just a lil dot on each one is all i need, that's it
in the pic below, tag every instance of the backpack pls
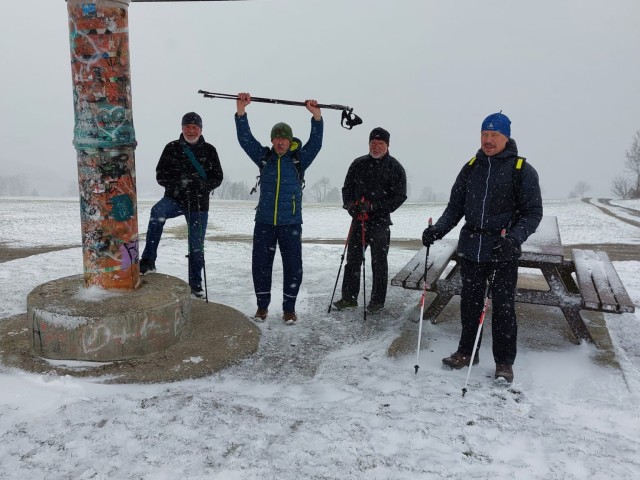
(296, 144)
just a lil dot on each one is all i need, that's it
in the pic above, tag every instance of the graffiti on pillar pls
(99, 40)
(104, 138)
(109, 217)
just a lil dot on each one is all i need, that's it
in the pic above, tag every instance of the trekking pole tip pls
(416, 367)
(464, 390)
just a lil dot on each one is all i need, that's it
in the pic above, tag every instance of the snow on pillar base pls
(71, 322)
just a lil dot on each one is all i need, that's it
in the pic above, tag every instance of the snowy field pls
(321, 400)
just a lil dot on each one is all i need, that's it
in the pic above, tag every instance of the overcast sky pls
(566, 72)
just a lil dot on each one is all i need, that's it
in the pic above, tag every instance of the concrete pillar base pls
(70, 322)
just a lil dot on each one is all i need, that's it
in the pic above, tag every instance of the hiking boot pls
(458, 360)
(198, 292)
(504, 370)
(147, 266)
(261, 315)
(343, 304)
(374, 307)
(290, 318)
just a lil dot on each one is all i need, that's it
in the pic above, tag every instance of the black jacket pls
(382, 181)
(181, 180)
(484, 195)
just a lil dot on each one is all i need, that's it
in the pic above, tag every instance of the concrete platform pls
(72, 322)
(216, 337)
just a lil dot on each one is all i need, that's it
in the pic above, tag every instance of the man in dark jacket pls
(189, 170)
(375, 186)
(279, 212)
(497, 190)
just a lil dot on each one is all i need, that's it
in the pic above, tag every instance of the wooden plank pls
(600, 285)
(544, 245)
(583, 267)
(624, 302)
(412, 275)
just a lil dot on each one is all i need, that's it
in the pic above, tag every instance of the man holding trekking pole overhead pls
(496, 190)
(278, 218)
(375, 186)
(189, 170)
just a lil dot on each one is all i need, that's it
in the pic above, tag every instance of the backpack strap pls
(294, 159)
(518, 165)
(194, 161)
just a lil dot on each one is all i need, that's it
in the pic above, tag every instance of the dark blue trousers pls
(503, 319)
(197, 222)
(265, 239)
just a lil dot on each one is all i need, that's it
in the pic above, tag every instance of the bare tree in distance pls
(320, 189)
(580, 189)
(622, 188)
(632, 165)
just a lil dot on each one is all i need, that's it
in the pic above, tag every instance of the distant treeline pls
(15, 186)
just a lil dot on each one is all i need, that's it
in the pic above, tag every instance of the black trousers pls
(378, 237)
(503, 319)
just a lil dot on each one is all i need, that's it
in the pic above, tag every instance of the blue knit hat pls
(498, 122)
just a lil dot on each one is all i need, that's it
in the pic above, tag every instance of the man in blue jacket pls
(278, 219)
(495, 191)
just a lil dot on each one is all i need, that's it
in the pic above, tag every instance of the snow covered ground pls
(321, 400)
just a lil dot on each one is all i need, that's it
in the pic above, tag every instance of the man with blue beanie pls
(496, 190)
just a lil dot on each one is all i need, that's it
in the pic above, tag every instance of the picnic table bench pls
(587, 281)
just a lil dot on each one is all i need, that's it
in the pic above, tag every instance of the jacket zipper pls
(293, 199)
(484, 204)
(275, 207)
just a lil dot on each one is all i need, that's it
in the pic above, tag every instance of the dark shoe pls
(290, 318)
(261, 315)
(374, 307)
(504, 370)
(458, 360)
(198, 292)
(343, 304)
(147, 266)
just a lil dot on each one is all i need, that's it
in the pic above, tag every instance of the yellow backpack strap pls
(519, 162)
(471, 161)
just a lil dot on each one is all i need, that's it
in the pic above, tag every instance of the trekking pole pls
(348, 121)
(424, 293)
(363, 217)
(487, 291)
(204, 263)
(346, 243)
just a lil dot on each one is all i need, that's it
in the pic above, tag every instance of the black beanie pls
(380, 133)
(192, 118)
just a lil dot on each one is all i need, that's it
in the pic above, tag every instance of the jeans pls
(197, 223)
(265, 239)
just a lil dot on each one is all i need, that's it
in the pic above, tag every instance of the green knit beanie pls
(281, 130)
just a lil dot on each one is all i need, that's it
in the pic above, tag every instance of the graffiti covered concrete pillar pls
(104, 139)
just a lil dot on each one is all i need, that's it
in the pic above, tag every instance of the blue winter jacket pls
(485, 196)
(280, 200)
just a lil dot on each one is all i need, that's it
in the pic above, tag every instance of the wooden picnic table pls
(586, 281)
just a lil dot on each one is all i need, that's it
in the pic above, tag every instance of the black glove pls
(506, 248)
(430, 235)
(359, 207)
